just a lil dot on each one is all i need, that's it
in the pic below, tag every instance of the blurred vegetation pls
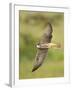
(31, 29)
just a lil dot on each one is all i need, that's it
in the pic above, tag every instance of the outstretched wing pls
(42, 52)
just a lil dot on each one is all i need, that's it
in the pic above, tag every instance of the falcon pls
(43, 46)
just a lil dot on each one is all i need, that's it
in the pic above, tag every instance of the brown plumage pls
(42, 52)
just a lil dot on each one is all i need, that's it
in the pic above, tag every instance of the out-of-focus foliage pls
(30, 31)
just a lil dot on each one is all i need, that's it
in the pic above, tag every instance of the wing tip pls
(34, 69)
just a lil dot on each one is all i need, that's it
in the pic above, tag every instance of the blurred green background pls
(30, 31)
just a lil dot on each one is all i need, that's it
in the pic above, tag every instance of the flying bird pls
(43, 45)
